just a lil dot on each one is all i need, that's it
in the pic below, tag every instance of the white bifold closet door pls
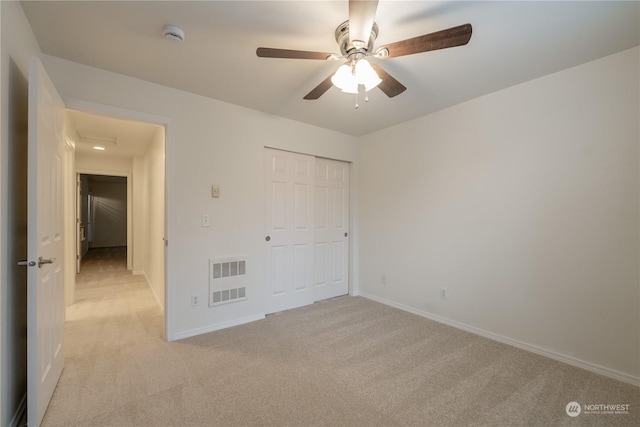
(307, 241)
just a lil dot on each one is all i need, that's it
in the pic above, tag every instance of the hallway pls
(107, 293)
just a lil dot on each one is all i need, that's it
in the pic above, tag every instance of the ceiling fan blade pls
(456, 36)
(390, 86)
(267, 52)
(319, 90)
(361, 16)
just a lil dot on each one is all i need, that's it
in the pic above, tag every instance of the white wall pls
(109, 213)
(139, 215)
(104, 165)
(154, 219)
(524, 205)
(18, 44)
(209, 142)
(71, 139)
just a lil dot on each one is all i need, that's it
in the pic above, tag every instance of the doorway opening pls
(119, 215)
(102, 216)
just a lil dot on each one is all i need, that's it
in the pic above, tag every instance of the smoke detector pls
(173, 33)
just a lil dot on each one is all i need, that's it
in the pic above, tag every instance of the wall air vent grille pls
(227, 277)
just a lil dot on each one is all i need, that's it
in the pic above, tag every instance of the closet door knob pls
(267, 238)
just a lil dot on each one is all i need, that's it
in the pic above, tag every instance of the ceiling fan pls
(356, 38)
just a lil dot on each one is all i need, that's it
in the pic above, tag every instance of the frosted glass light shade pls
(347, 78)
(366, 75)
(344, 79)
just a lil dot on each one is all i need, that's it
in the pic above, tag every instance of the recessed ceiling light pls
(99, 141)
(98, 148)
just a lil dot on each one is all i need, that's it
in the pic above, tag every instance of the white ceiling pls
(512, 42)
(119, 138)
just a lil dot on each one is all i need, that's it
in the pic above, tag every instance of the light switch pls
(206, 220)
(215, 191)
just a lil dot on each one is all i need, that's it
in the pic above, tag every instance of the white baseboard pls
(21, 408)
(159, 302)
(218, 326)
(592, 367)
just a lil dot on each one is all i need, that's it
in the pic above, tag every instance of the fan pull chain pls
(357, 105)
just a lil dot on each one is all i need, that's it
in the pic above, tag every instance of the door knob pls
(346, 234)
(41, 261)
(27, 263)
(267, 238)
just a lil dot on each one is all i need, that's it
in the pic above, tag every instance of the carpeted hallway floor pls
(341, 362)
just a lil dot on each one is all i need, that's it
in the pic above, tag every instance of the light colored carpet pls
(342, 362)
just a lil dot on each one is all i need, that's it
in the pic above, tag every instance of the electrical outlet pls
(383, 279)
(195, 301)
(444, 293)
(206, 220)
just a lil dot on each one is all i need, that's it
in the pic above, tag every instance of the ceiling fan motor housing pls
(347, 49)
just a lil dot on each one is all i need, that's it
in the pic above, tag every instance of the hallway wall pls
(84, 212)
(155, 217)
(149, 216)
(70, 238)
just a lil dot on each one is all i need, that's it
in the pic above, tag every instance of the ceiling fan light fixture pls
(348, 77)
(366, 75)
(351, 89)
(344, 79)
(356, 39)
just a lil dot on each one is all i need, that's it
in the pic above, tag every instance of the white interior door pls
(290, 229)
(331, 270)
(45, 231)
